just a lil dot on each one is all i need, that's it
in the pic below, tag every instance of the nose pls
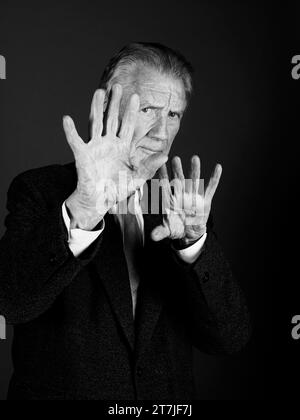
(160, 130)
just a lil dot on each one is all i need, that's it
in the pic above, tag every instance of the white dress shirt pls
(79, 240)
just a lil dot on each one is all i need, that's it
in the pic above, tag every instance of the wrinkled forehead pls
(157, 89)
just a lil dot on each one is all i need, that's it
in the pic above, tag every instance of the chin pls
(140, 155)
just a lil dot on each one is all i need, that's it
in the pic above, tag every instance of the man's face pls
(162, 104)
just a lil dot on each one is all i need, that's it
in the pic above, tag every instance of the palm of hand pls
(106, 174)
(187, 209)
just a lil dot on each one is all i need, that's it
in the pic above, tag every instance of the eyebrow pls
(147, 104)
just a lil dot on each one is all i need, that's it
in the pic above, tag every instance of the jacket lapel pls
(111, 266)
(149, 304)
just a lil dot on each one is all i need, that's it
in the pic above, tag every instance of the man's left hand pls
(186, 208)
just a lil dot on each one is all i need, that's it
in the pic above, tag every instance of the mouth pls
(150, 145)
(153, 149)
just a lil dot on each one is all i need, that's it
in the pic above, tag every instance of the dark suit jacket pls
(74, 332)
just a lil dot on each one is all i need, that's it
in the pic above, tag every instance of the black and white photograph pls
(140, 202)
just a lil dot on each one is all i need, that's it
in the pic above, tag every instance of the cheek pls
(142, 127)
(173, 131)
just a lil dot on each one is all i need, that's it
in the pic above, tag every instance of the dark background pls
(288, 165)
(55, 54)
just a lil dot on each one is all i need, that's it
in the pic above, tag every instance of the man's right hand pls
(106, 159)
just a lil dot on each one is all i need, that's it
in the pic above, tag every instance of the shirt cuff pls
(193, 252)
(79, 240)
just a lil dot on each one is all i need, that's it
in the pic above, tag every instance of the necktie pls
(133, 244)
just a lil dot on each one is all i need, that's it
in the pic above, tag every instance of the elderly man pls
(106, 303)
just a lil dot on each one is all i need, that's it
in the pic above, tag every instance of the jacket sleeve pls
(217, 316)
(36, 264)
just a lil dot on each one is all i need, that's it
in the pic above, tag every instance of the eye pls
(174, 115)
(146, 110)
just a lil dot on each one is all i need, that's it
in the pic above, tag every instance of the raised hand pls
(187, 207)
(106, 160)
